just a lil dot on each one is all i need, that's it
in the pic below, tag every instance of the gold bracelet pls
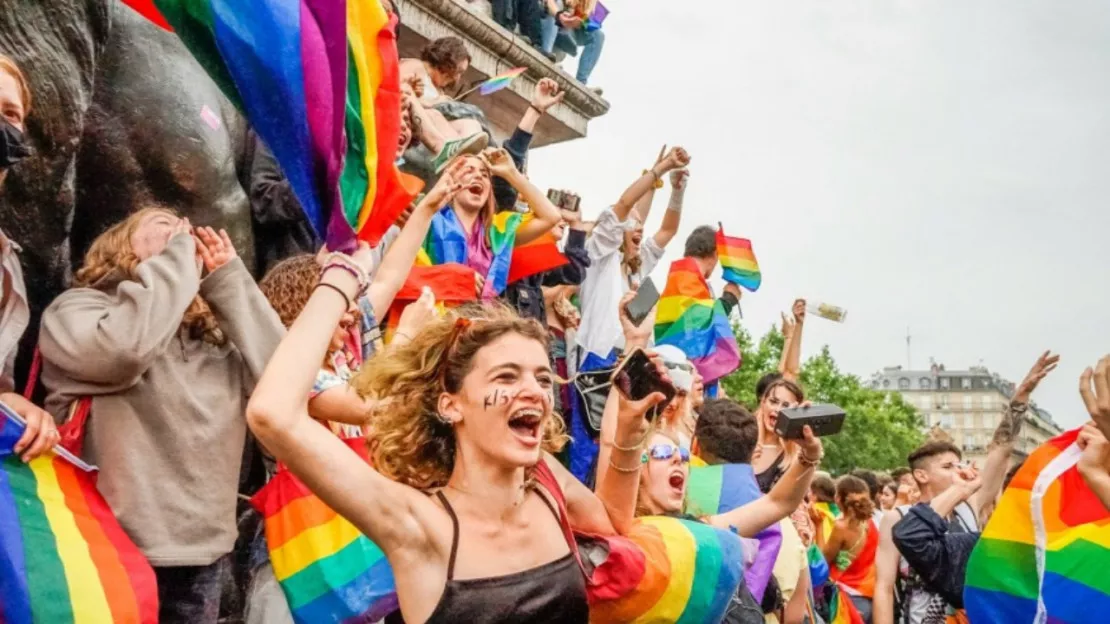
(624, 470)
(812, 463)
(639, 446)
(658, 180)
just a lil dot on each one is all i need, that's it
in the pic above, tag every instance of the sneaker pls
(473, 144)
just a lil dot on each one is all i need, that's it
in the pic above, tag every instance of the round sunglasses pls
(664, 452)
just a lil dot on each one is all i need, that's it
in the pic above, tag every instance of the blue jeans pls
(591, 43)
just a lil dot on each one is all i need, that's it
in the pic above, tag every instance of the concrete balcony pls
(494, 50)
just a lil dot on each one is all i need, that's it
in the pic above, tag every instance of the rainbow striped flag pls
(329, 571)
(538, 256)
(738, 261)
(452, 284)
(678, 570)
(63, 556)
(446, 242)
(841, 609)
(319, 81)
(1048, 520)
(500, 81)
(712, 490)
(690, 319)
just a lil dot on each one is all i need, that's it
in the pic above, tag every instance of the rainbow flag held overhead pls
(1048, 520)
(500, 81)
(738, 261)
(690, 319)
(678, 571)
(446, 242)
(319, 81)
(63, 556)
(712, 490)
(329, 571)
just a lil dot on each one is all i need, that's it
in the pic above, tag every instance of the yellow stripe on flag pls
(364, 21)
(683, 551)
(311, 546)
(86, 594)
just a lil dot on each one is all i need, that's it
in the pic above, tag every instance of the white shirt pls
(605, 283)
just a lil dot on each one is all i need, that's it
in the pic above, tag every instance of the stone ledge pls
(495, 50)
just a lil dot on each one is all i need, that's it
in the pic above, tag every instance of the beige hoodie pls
(167, 424)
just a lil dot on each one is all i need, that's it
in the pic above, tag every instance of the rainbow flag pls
(1048, 520)
(690, 319)
(329, 571)
(319, 81)
(738, 261)
(538, 256)
(63, 556)
(446, 242)
(712, 490)
(451, 283)
(678, 571)
(841, 609)
(500, 81)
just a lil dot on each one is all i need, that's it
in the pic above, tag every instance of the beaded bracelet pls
(624, 470)
(342, 262)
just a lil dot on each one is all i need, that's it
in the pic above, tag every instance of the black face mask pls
(13, 147)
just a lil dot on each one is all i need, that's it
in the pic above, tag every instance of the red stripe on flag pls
(536, 257)
(147, 9)
(114, 580)
(451, 282)
(139, 573)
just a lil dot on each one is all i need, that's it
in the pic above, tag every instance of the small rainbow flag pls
(319, 81)
(329, 571)
(690, 319)
(738, 261)
(446, 242)
(712, 490)
(500, 81)
(1047, 520)
(678, 571)
(63, 556)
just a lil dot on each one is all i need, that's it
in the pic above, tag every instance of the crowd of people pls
(492, 434)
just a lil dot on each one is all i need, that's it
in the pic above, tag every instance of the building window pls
(924, 383)
(945, 421)
(904, 383)
(942, 401)
(965, 383)
(967, 401)
(990, 421)
(944, 383)
(988, 401)
(886, 383)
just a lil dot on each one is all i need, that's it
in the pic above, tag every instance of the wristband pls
(538, 111)
(346, 299)
(658, 180)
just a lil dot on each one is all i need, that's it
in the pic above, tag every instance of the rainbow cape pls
(446, 242)
(319, 81)
(690, 319)
(1048, 520)
(500, 81)
(738, 261)
(712, 490)
(677, 571)
(63, 556)
(329, 571)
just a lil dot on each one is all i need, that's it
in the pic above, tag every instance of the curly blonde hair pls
(412, 445)
(289, 284)
(111, 252)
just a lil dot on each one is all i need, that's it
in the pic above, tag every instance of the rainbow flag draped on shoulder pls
(692, 320)
(63, 556)
(319, 81)
(1048, 520)
(712, 490)
(447, 243)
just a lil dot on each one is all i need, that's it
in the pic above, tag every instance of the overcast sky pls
(940, 166)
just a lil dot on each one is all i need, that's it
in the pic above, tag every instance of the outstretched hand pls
(632, 415)
(548, 94)
(500, 163)
(215, 250)
(1043, 366)
(1094, 389)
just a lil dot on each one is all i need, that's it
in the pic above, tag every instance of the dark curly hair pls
(289, 285)
(445, 54)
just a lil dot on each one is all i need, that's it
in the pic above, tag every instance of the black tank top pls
(553, 593)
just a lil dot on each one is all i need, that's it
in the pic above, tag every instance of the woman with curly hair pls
(167, 332)
(851, 546)
(463, 427)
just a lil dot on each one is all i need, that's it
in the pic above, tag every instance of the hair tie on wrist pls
(337, 289)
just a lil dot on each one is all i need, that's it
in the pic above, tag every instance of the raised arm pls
(546, 215)
(109, 341)
(793, 360)
(646, 183)
(788, 327)
(547, 94)
(886, 571)
(1094, 465)
(673, 217)
(623, 430)
(394, 269)
(392, 515)
(1008, 432)
(783, 499)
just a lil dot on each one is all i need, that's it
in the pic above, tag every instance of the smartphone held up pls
(637, 378)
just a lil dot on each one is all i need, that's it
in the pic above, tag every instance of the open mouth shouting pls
(526, 424)
(677, 481)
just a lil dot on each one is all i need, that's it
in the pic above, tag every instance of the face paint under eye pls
(498, 397)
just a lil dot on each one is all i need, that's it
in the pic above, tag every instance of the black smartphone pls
(637, 377)
(640, 307)
(555, 197)
(825, 419)
(571, 202)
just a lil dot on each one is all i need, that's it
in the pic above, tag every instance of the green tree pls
(880, 429)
